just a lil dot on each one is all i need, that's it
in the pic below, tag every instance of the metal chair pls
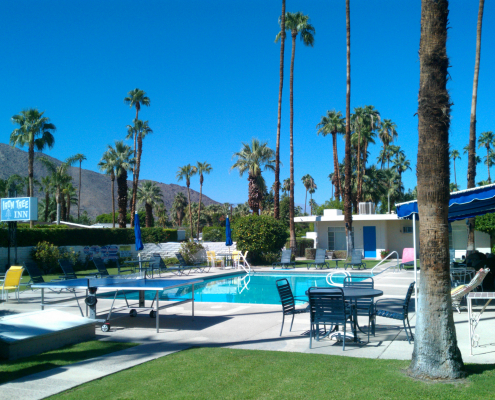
(101, 267)
(400, 315)
(356, 260)
(34, 272)
(364, 306)
(12, 281)
(328, 307)
(288, 302)
(69, 273)
(286, 260)
(461, 291)
(320, 260)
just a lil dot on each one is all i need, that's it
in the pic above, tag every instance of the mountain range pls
(96, 188)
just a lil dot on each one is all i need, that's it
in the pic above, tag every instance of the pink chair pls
(407, 257)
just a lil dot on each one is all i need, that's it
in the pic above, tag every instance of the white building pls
(376, 232)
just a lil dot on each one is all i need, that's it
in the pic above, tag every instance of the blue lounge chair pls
(285, 261)
(356, 260)
(320, 261)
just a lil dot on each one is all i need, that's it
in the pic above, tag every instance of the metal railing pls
(244, 262)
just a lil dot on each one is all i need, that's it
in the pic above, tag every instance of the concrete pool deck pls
(242, 326)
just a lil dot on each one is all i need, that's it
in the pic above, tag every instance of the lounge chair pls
(460, 291)
(12, 281)
(288, 302)
(356, 260)
(69, 273)
(286, 260)
(407, 257)
(402, 315)
(182, 266)
(319, 261)
(328, 307)
(101, 267)
(364, 306)
(34, 272)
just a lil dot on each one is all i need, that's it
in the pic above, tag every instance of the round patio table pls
(351, 293)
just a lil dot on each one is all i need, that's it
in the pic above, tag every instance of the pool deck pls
(241, 326)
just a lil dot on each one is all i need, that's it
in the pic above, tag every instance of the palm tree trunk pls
(30, 190)
(276, 205)
(336, 166)
(347, 184)
(488, 163)
(136, 176)
(122, 197)
(305, 201)
(200, 197)
(112, 178)
(436, 355)
(149, 214)
(47, 203)
(292, 227)
(190, 213)
(79, 196)
(359, 175)
(455, 175)
(68, 206)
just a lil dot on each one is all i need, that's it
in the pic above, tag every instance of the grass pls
(10, 370)
(216, 373)
(369, 264)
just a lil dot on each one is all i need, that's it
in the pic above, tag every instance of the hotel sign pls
(19, 209)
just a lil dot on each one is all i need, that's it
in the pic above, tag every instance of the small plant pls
(46, 255)
(384, 253)
(70, 254)
(189, 249)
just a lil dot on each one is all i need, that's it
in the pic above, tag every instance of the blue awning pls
(463, 204)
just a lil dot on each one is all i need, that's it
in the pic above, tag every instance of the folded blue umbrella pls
(137, 233)
(228, 233)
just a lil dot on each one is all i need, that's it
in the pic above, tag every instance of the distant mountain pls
(96, 188)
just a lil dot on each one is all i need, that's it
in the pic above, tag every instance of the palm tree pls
(486, 140)
(307, 181)
(286, 186)
(333, 123)
(178, 207)
(311, 192)
(435, 355)
(107, 165)
(453, 187)
(254, 159)
(122, 160)
(202, 168)
(388, 132)
(401, 165)
(276, 211)
(59, 178)
(69, 196)
(78, 157)
(136, 98)
(46, 186)
(187, 172)
(151, 195)
(140, 129)
(296, 23)
(454, 154)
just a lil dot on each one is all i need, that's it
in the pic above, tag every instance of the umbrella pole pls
(415, 268)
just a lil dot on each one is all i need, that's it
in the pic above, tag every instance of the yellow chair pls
(12, 281)
(236, 258)
(212, 259)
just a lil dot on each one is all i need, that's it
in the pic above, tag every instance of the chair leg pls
(291, 323)
(405, 329)
(283, 319)
(343, 339)
(310, 334)
(410, 330)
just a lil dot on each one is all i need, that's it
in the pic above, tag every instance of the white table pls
(474, 319)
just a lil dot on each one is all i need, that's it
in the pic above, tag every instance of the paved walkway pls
(243, 326)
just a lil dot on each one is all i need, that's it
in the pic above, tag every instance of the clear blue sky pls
(211, 69)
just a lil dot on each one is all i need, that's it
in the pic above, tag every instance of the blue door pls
(369, 239)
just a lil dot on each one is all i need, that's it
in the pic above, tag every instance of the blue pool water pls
(258, 288)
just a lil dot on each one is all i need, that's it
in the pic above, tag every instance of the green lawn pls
(216, 373)
(10, 370)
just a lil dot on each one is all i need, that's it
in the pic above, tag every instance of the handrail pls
(371, 272)
(244, 282)
(245, 261)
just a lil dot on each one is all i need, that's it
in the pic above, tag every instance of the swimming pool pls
(257, 288)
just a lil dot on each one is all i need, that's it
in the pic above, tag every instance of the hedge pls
(214, 234)
(88, 237)
(301, 245)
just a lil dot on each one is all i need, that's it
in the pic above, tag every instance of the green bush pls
(88, 237)
(310, 254)
(340, 254)
(46, 256)
(214, 234)
(189, 249)
(301, 246)
(259, 235)
(171, 261)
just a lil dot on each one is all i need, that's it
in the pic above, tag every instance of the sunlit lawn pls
(10, 370)
(216, 373)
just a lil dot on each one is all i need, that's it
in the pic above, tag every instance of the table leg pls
(157, 313)
(193, 301)
(470, 304)
(141, 298)
(42, 299)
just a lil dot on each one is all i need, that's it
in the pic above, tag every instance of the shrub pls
(259, 235)
(340, 254)
(171, 261)
(301, 246)
(88, 237)
(70, 254)
(46, 256)
(310, 254)
(189, 249)
(214, 234)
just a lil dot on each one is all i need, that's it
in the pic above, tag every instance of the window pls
(336, 238)
(407, 229)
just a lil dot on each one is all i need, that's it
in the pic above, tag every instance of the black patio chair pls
(356, 260)
(35, 275)
(320, 261)
(182, 266)
(69, 273)
(288, 302)
(101, 267)
(402, 315)
(364, 306)
(286, 260)
(328, 307)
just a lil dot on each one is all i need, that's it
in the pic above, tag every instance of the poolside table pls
(353, 294)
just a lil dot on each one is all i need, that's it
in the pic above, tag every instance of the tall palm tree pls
(347, 173)
(276, 211)
(471, 175)
(140, 129)
(454, 154)
(388, 132)
(286, 186)
(295, 23)
(186, 173)
(78, 158)
(401, 165)
(334, 124)
(46, 186)
(307, 181)
(59, 179)
(69, 197)
(254, 159)
(107, 165)
(202, 168)
(151, 196)
(178, 207)
(435, 355)
(311, 191)
(122, 160)
(487, 140)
